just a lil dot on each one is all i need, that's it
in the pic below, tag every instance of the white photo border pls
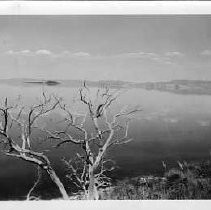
(105, 8)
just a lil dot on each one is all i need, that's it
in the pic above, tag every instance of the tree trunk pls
(92, 193)
(58, 183)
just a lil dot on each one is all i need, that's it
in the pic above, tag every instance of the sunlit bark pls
(24, 150)
(91, 174)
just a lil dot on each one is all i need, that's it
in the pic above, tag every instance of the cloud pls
(81, 54)
(152, 55)
(174, 54)
(166, 58)
(206, 53)
(43, 52)
(9, 52)
(21, 52)
(141, 55)
(25, 51)
(149, 55)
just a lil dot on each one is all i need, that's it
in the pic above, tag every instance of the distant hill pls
(24, 82)
(199, 87)
(45, 82)
(66, 83)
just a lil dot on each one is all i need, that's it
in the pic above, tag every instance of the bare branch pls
(39, 175)
(22, 152)
(64, 136)
(76, 176)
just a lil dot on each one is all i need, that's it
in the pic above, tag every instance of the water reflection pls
(171, 127)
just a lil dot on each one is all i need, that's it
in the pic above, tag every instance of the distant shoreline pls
(47, 82)
(185, 87)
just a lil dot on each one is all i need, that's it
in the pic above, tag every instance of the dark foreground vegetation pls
(187, 181)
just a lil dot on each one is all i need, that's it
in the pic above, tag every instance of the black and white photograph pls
(105, 107)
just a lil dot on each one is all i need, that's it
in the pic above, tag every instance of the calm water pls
(171, 127)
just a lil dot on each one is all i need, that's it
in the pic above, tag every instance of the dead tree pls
(90, 166)
(25, 119)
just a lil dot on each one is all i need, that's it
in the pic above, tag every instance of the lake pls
(171, 127)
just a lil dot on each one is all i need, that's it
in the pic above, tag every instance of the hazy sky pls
(133, 48)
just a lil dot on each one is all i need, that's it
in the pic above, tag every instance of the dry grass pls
(189, 181)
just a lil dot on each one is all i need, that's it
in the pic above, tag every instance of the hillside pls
(198, 87)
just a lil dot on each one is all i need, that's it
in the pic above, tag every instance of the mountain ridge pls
(180, 86)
